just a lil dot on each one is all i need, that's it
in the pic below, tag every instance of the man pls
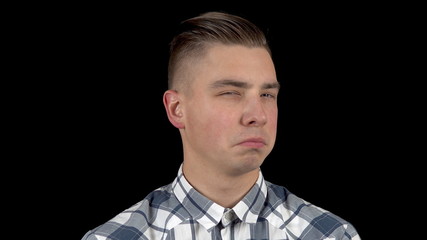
(222, 97)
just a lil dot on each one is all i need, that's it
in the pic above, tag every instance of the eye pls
(229, 93)
(268, 95)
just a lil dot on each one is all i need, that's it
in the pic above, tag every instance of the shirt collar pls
(208, 213)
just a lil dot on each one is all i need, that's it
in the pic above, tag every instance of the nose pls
(254, 113)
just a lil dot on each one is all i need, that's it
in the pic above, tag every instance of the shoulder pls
(301, 217)
(139, 218)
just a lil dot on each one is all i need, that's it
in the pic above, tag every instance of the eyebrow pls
(240, 84)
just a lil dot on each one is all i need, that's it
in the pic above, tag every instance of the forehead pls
(234, 62)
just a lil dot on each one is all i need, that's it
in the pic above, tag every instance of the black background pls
(100, 132)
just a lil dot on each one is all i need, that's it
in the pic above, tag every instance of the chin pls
(250, 164)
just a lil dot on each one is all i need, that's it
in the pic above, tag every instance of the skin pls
(227, 118)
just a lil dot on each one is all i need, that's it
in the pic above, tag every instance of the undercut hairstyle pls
(196, 34)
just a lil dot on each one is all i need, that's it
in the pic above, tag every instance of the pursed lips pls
(253, 142)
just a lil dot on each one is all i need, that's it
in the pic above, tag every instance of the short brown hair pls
(211, 27)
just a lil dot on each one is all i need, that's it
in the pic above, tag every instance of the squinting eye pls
(268, 95)
(229, 93)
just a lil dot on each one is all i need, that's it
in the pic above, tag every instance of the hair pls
(196, 34)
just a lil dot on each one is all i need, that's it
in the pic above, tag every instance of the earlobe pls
(172, 103)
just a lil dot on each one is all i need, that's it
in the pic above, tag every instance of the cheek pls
(219, 124)
(217, 121)
(211, 120)
(272, 120)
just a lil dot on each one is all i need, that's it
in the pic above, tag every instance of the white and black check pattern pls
(178, 211)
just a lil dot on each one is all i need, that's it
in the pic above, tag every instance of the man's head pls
(197, 34)
(223, 93)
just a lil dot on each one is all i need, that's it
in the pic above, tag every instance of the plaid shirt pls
(178, 211)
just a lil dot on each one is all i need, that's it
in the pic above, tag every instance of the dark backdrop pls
(107, 139)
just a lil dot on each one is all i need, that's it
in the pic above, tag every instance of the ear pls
(173, 105)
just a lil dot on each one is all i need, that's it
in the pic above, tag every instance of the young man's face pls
(230, 109)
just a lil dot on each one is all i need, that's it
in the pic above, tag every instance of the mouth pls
(253, 143)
